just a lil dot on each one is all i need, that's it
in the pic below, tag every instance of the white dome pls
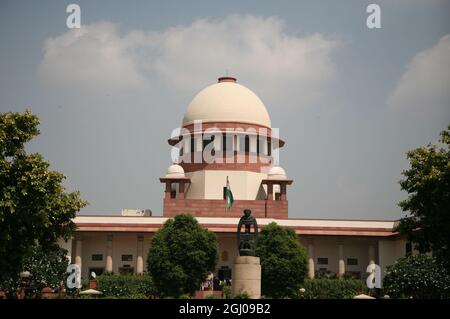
(175, 171)
(276, 172)
(227, 101)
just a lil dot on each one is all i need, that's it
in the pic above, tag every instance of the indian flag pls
(229, 195)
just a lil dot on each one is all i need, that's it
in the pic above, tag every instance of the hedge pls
(126, 286)
(326, 288)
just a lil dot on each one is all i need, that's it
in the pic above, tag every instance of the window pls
(224, 273)
(97, 257)
(192, 144)
(322, 261)
(207, 141)
(247, 144)
(224, 142)
(127, 257)
(352, 261)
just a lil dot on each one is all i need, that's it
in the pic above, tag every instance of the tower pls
(226, 134)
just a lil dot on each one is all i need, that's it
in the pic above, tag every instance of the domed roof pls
(276, 172)
(227, 101)
(175, 171)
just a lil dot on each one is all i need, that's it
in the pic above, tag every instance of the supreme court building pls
(233, 122)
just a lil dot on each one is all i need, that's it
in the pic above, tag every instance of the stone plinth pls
(246, 276)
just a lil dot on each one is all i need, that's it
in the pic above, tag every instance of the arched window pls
(247, 144)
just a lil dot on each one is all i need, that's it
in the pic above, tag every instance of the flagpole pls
(226, 195)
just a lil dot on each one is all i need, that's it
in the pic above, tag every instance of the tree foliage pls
(35, 209)
(417, 276)
(428, 185)
(283, 261)
(181, 255)
(47, 267)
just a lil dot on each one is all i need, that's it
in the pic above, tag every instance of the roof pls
(228, 225)
(227, 102)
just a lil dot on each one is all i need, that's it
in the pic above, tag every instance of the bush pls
(283, 262)
(418, 276)
(242, 295)
(126, 286)
(325, 288)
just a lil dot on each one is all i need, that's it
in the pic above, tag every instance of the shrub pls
(283, 261)
(242, 295)
(326, 288)
(418, 276)
(126, 286)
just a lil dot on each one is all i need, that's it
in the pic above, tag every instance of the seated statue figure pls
(247, 241)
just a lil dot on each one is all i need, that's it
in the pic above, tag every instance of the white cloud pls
(257, 50)
(92, 57)
(425, 86)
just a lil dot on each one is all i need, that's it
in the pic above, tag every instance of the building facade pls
(226, 138)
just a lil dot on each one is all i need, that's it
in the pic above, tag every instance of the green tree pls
(35, 209)
(428, 185)
(181, 255)
(283, 262)
(417, 276)
(47, 267)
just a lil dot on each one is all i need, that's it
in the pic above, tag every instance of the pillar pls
(79, 252)
(341, 262)
(311, 270)
(168, 190)
(371, 254)
(283, 191)
(140, 255)
(247, 276)
(181, 190)
(269, 191)
(109, 254)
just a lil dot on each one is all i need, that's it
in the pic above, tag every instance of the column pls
(140, 255)
(181, 190)
(269, 191)
(79, 252)
(109, 254)
(371, 254)
(283, 191)
(341, 270)
(311, 270)
(264, 146)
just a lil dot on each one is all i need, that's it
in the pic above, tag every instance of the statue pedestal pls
(246, 276)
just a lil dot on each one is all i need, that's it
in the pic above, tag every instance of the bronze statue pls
(247, 241)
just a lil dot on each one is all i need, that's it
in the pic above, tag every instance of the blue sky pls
(349, 101)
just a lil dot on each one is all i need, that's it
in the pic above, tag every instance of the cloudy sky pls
(348, 100)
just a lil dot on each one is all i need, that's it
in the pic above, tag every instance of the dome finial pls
(226, 79)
